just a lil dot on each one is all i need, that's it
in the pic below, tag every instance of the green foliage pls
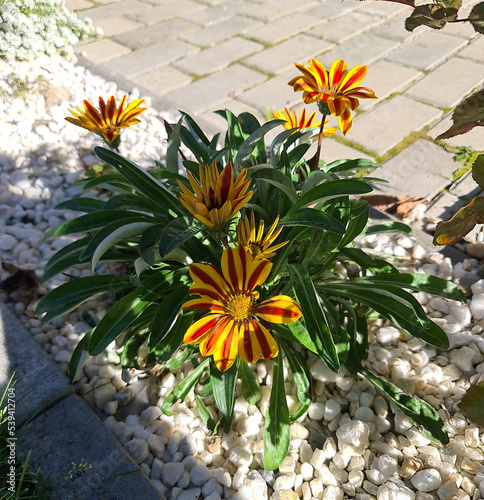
(145, 226)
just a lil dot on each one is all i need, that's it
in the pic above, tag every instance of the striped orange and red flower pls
(109, 119)
(292, 121)
(218, 197)
(233, 325)
(339, 89)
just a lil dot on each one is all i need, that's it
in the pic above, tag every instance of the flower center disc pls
(240, 307)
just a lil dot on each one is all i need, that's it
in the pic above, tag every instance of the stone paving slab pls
(70, 433)
(421, 170)
(158, 54)
(122, 7)
(432, 48)
(118, 25)
(162, 80)
(395, 30)
(387, 78)
(445, 86)
(474, 51)
(165, 12)
(39, 384)
(104, 50)
(219, 13)
(283, 28)
(473, 139)
(276, 60)
(218, 57)
(146, 36)
(465, 187)
(385, 126)
(213, 90)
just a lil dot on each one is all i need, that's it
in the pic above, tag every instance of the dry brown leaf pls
(393, 204)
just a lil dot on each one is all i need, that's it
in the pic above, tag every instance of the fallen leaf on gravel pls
(25, 281)
(400, 205)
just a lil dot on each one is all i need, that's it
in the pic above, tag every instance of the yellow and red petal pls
(201, 328)
(279, 309)
(353, 78)
(224, 357)
(337, 73)
(215, 339)
(206, 302)
(209, 277)
(258, 271)
(255, 342)
(345, 121)
(319, 73)
(235, 263)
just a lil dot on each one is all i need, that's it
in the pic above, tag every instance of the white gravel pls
(350, 444)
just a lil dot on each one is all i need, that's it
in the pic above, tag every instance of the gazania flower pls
(233, 324)
(254, 241)
(338, 89)
(217, 198)
(109, 119)
(292, 121)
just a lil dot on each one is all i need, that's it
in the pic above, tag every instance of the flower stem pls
(315, 159)
(223, 239)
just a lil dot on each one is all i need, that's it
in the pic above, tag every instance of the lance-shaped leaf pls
(223, 387)
(167, 314)
(86, 205)
(339, 166)
(388, 226)
(313, 314)
(142, 181)
(277, 431)
(476, 17)
(252, 141)
(330, 190)
(184, 387)
(78, 358)
(250, 387)
(176, 233)
(472, 404)
(300, 373)
(70, 295)
(275, 177)
(419, 412)
(310, 217)
(467, 115)
(462, 223)
(165, 350)
(359, 214)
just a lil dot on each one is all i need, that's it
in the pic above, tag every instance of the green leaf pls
(478, 170)
(250, 387)
(132, 347)
(148, 244)
(204, 414)
(313, 179)
(78, 358)
(296, 332)
(179, 359)
(275, 177)
(346, 165)
(122, 314)
(310, 217)
(87, 205)
(69, 295)
(165, 350)
(252, 141)
(135, 202)
(176, 233)
(314, 315)
(389, 226)
(173, 146)
(184, 387)
(359, 213)
(120, 234)
(419, 412)
(462, 223)
(64, 259)
(472, 404)
(432, 15)
(476, 17)
(395, 304)
(300, 373)
(142, 181)
(467, 115)
(108, 181)
(277, 431)
(90, 222)
(277, 144)
(223, 386)
(167, 314)
(330, 190)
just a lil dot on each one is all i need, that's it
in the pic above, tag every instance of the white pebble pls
(426, 480)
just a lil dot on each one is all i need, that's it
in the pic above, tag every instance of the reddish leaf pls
(461, 224)
(411, 3)
(432, 15)
(478, 170)
(472, 404)
(467, 115)
(476, 17)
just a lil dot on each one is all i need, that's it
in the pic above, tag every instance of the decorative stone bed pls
(350, 444)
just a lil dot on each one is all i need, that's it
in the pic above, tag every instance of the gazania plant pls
(240, 254)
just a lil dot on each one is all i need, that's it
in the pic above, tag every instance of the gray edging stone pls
(39, 384)
(70, 433)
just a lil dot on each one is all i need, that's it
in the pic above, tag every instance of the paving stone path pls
(202, 55)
